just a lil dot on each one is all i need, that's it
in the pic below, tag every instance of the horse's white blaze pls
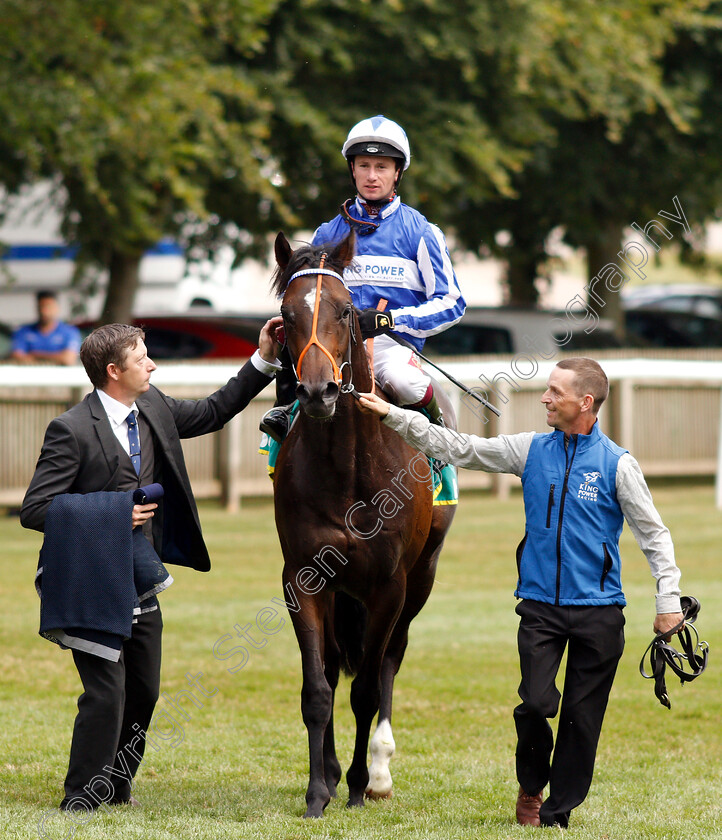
(382, 748)
(310, 299)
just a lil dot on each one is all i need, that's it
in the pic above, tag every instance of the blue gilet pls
(570, 551)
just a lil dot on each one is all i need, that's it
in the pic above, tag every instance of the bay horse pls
(356, 522)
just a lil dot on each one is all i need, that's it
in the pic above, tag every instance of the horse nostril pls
(330, 392)
(317, 395)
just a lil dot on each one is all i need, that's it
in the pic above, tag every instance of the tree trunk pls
(521, 273)
(605, 283)
(123, 281)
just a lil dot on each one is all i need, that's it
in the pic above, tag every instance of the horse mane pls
(307, 256)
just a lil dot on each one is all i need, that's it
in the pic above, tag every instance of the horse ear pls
(344, 252)
(283, 250)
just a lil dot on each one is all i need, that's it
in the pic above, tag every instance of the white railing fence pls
(665, 411)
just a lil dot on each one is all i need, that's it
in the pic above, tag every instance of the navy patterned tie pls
(134, 441)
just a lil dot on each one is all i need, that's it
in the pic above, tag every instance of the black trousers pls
(114, 711)
(595, 640)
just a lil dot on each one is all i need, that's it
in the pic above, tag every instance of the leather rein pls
(348, 387)
(662, 654)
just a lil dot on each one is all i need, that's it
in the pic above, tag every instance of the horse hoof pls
(314, 810)
(355, 802)
(371, 794)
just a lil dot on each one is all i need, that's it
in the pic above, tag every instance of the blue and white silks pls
(406, 262)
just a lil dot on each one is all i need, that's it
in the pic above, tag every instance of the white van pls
(33, 257)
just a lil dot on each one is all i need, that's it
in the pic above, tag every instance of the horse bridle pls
(313, 340)
(661, 653)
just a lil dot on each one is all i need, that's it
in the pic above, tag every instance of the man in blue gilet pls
(579, 487)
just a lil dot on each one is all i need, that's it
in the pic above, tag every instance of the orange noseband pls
(313, 340)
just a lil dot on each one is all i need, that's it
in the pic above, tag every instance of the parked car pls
(508, 330)
(694, 299)
(197, 335)
(482, 330)
(512, 330)
(664, 328)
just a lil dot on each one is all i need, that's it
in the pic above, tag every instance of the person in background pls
(47, 340)
(579, 488)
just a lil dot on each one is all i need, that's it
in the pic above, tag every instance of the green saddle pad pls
(446, 487)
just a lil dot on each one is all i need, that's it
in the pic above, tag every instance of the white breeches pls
(397, 369)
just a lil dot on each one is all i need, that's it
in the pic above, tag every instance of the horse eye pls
(346, 313)
(287, 315)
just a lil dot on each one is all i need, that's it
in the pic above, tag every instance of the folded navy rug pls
(95, 572)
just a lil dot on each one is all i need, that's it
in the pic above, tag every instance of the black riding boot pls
(276, 422)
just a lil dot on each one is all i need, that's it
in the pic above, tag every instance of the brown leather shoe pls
(527, 808)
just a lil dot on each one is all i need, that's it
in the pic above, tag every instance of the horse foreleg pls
(316, 706)
(382, 747)
(366, 687)
(332, 768)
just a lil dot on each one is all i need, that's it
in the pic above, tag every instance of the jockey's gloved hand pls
(374, 322)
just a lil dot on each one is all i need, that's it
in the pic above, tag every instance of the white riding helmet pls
(378, 136)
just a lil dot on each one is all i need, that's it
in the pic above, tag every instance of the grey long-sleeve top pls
(508, 454)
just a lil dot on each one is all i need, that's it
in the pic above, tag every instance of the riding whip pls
(456, 382)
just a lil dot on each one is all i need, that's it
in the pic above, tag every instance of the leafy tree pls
(134, 111)
(655, 159)
(224, 120)
(597, 176)
(487, 91)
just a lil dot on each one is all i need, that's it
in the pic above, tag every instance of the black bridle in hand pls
(661, 653)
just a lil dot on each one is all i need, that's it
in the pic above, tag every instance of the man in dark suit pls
(97, 446)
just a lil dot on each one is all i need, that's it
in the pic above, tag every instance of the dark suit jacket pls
(80, 455)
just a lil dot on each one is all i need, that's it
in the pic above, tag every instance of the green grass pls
(241, 769)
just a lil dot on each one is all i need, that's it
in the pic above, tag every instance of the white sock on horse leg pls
(382, 748)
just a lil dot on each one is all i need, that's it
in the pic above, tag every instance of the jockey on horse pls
(401, 258)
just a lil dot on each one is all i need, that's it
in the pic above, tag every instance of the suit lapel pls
(166, 435)
(148, 410)
(104, 434)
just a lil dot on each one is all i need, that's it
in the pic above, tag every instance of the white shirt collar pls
(116, 411)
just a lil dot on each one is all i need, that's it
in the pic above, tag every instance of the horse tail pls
(349, 628)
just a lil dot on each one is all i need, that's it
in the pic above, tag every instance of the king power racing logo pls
(588, 489)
